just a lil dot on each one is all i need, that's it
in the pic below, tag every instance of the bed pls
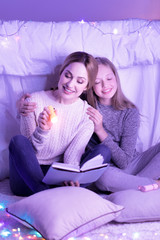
(30, 52)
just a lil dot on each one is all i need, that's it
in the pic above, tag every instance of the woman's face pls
(105, 84)
(73, 81)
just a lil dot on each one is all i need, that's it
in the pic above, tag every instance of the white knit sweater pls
(68, 137)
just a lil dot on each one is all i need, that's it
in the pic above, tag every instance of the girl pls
(42, 141)
(116, 122)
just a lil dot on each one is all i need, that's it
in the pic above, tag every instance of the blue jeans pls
(26, 173)
(97, 149)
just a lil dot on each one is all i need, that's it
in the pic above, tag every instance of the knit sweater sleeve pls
(123, 151)
(78, 144)
(29, 127)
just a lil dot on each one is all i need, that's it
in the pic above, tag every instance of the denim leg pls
(99, 149)
(25, 172)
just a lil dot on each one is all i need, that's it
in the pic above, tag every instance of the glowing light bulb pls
(17, 38)
(82, 21)
(2, 206)
(115, 31)
(1, 224)
(53, 114)
(5, 43)
(5, 233)
(135, 235)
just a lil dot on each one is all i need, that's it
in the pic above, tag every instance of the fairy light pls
(82, 21)
(115, 31)
(2, 206)
(17, 38)
(4, 42)
(106, 237)
(136, 235)
(5, 233)
(1, 224)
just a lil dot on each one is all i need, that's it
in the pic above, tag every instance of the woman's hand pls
(44, 119)
(71, 183)
(97, 119)
(24, 107)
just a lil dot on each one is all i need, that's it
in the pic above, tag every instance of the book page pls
(93, 163)
(65, 167)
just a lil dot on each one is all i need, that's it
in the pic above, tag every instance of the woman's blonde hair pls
(118, 101)
(89, 62)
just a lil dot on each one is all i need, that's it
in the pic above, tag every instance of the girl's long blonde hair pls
(118, 101)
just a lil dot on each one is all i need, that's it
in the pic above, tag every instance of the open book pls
(88, 173)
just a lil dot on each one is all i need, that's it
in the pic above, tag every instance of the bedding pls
(30, 54)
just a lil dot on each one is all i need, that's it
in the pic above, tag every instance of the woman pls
(116, 123)
(64, 140)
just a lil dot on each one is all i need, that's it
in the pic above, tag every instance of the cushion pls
(138, 206)
(64, 212)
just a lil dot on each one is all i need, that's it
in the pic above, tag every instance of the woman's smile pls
(68, 90)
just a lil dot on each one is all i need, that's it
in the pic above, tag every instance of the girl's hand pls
(71, 183)
(24, 107)
(44, 119)
(97, 119)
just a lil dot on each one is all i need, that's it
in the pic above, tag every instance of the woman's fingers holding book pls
(71, 183)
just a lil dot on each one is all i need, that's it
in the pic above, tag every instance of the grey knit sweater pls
(122, 128)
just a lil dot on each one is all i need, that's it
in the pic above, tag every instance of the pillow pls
(64, 212)
(138, 206)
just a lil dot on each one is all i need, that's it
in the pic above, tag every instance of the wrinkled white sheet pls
(29, 52)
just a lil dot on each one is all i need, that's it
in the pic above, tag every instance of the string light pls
(5, 38)
(2, 206)
(115, 30)
(14, 33)
(82, 21)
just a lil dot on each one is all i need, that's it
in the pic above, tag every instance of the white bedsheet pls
(29, 52)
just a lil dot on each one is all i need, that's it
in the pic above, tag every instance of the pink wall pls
(75, 10)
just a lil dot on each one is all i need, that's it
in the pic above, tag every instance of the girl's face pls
(73, 81)
(105, 84)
